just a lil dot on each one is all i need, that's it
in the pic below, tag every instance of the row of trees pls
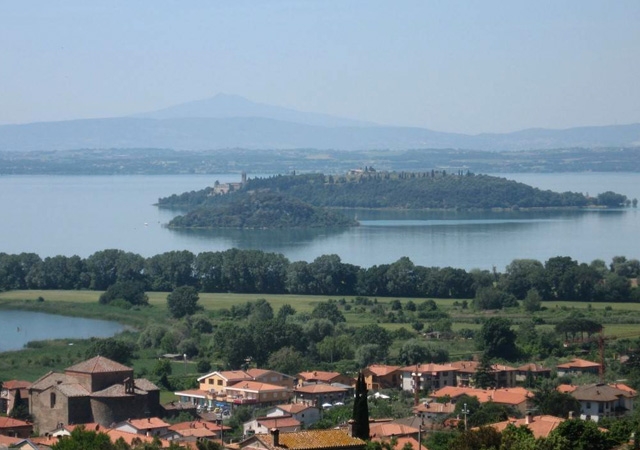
(253, 271)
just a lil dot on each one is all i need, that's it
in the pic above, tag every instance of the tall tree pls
(361, 410)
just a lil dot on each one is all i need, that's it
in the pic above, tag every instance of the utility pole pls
(465, 412)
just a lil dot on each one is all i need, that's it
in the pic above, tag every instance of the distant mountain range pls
(229, 121)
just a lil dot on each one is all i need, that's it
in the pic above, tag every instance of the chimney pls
(276, 437)
(570, 415)
(350, 425)
(528, 418)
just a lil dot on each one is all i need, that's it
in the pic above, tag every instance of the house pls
(262, 425)
(603, 400)
(578, 366)
(218, 381)
(307, 415)
(303, 440)
(320, 394)
(433, 410)
(505, 376)
(272, 377)
(97, 390)
(432, 376)
(540, 426)
(152, 426)
(254, 392)
(318, 376)
(532, 370)
(378, 376)
(15, 428)
(199, 429)
(518, 398)
(9, 392)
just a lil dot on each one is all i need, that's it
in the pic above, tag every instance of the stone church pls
(97, 390)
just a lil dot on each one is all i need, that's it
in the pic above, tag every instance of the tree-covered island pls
(286, 201)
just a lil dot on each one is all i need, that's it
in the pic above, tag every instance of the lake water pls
(81, 214)
(19, 327)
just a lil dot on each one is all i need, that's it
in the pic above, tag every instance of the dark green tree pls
(361, 410)
(183, 301)
(484, 377)
(497, 339)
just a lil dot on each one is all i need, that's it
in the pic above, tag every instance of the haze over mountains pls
(229, 121)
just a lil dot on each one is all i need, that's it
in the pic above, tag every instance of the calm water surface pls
(19, 327)
(81, 214)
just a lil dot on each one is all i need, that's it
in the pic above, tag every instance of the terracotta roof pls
(578, 363)
(254, 373)
(234, 375)
(198, 424)
(435, 408)
(509, 396)
(319, 375)
(72, 389)
(255, 386)
(148, 424)
(319, 389)
(427, 368)
(278, 422)
(8, 422)
(98, 364)
(401, 442)
(502, 368)
(91, 426)
(7, 440)
(391, 429)
(47, 441)
(540, 426)
(294, 408)
(51, 378)
(145, 385)
(381, 370)
(624, 387)
(130, 437)
(465, 366)
(566, 388)
(532, 367)
(117, 390)
(197, 432)
(313, 439)
(15, 384)
(600, 393)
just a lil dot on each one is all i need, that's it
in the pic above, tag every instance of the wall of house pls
(110, 410)
(46, 418)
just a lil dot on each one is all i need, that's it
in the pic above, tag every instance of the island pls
(368, 188)
(261, 210)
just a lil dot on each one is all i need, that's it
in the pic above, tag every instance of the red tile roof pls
(381, 370)
(566, 388)
(6, 440)
(435, 408)
(309, 440)
(401, 442)
(510, 396)
(532, 367)
(148, 424)
(198, 424)
(319, 389)
(319, 375)
(294, 408)
(578, 363)
(428, 368)
(278, 422)
(8, 422)
(15, 384)
(540, 426)
(98, 364)
(255, 386)
(391, 429)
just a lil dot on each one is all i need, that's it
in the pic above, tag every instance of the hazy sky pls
(470, 66)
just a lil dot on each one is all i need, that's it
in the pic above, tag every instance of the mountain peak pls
(223, 105)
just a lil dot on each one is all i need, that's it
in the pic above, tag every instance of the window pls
(210, 381)
(219, 382)
(588, 405)
(52, 400)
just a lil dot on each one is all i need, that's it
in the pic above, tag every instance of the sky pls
(456, 66)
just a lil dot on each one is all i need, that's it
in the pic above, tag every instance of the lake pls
(19, 327)
(69, 215)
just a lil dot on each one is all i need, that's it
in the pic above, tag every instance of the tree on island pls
(183, 301)
(361, 410)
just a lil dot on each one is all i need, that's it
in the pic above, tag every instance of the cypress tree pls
(361, 410)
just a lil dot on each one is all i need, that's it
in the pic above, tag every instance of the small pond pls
(19, 327)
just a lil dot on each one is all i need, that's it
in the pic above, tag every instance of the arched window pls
(52, 399)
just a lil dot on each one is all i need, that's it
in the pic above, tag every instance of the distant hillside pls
(404, 190)
(261, 210)
(231, 121)
(264, 133)
(233, 106)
